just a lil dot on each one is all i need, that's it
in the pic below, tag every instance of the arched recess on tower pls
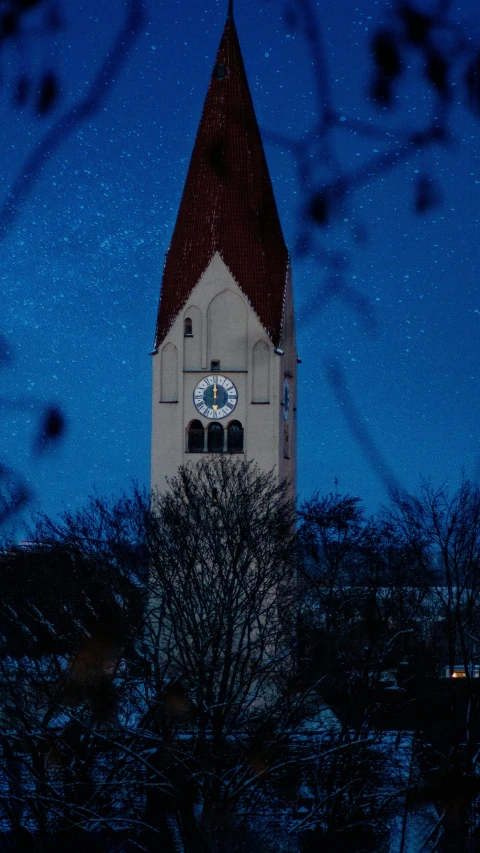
(169, 374)
(192, 339)
(227, 331)
(261, 373)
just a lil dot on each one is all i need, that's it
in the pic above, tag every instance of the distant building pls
(225, 360)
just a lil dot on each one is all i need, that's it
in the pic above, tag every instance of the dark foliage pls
(417, 52)
(25, 21)
(47, 93)
(21, 22)
(62, 586)
(390, 614)
(99, 707)
(158, 692)
(52, 428)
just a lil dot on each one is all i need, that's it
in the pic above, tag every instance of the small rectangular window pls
(214, 365)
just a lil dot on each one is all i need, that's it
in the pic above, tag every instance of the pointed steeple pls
(228, 205)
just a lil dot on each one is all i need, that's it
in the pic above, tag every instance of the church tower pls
(224, 360)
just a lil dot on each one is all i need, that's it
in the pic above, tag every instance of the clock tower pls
(224, 360)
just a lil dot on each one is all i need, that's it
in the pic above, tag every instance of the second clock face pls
(215, 396)
(286, 400)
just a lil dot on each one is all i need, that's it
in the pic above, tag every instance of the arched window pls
(215, 438)
(235, 437)
(192, 338)
(196, 437)
(261, 373)
(227, 342)
(169, 374)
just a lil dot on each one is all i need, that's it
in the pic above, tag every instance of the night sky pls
(81, 264)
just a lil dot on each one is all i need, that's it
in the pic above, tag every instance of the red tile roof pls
(228, 203)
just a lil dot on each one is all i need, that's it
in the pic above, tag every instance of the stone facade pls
(226, 304)
(225, 332)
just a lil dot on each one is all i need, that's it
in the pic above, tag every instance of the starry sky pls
(388, 391)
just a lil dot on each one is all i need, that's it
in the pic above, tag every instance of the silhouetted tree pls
(364, 597)
(72, 609)
(154, 654)
(446, 527)
(222, 549)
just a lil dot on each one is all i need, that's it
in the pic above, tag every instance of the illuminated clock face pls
(215, 396)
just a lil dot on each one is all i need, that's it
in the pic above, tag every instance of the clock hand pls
(215, 406)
